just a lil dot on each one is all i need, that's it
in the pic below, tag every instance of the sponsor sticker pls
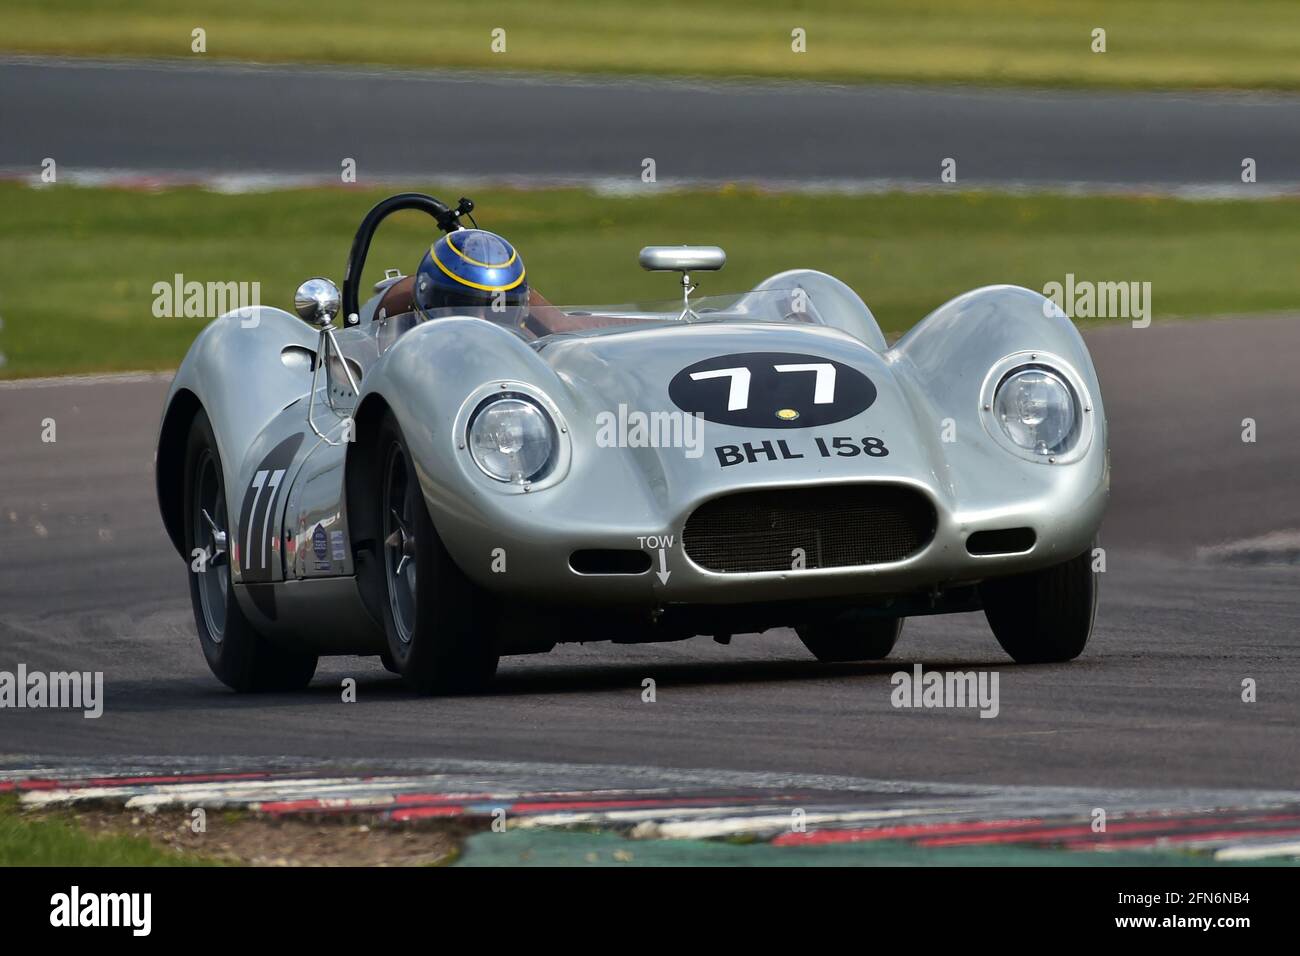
(320, 547)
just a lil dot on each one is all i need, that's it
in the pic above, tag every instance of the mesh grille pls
(837, 527)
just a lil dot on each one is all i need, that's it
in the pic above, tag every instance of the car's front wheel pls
(1046, 616)
(438, 624)
(851, 636)
(237, 654)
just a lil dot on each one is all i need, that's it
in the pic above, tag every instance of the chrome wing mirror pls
(317, 302)
(683, 259)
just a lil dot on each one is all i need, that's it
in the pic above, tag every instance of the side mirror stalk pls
(317, 301)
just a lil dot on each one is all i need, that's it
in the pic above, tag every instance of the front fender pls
(426, 379)
(944, 363)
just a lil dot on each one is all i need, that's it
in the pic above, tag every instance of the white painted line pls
(711, 829)
(1276, 547)
(562, 818)
(144, 796)
(429, 775)
(671, 822)
(49, 798)
(631, 187)
(272, 791)
(1258, 851)
(108, 378)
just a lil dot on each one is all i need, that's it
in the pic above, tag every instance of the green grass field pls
(1149, 43)
(78, 265)
(58, 841)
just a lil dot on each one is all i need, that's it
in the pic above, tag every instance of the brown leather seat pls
(399, 298)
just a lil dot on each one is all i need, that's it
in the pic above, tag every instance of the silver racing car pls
(461, 470)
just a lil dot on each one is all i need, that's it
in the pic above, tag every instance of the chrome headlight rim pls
(541, 424)
(557, 465)
(1084, 414)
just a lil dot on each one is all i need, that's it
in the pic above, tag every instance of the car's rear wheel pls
(239, 656)
(852, 635)
(439, 627)
(390, 665)
(1044, 616)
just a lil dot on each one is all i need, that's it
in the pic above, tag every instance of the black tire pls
(239, 656)
(851, 636)
(390, 665)
(440, 629)
(1044, 617)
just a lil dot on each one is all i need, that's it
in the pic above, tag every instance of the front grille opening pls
(609, 561)
(1002, 541)
(789, 529)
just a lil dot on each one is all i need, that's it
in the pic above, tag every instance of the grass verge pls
(1149, 43)
(57, 840)
(78, 265)
(108, 835)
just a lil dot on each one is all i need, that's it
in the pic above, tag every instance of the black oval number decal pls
(772, 390)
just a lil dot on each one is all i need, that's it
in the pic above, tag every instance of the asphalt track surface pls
(187, 117)
(89, 582)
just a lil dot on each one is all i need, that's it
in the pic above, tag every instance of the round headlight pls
(511, 439)
(1036, 409)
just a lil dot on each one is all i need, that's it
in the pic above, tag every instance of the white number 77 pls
(823, 387)
(738, 394)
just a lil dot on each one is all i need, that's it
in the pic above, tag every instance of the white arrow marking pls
(663, 571)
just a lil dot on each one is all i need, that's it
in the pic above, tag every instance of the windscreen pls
(540, 318)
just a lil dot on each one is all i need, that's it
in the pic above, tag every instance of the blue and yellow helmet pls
(471, 268)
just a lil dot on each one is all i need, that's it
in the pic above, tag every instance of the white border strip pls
(157, 180)
(111, 378)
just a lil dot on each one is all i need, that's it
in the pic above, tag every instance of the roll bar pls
(447, 218)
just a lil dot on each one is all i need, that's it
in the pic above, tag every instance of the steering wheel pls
(447, 218)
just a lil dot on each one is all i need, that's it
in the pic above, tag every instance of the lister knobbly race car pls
(463, 470)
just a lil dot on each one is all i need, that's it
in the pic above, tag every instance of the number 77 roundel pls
(772, 390)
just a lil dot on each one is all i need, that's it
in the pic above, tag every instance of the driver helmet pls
(475, 272)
